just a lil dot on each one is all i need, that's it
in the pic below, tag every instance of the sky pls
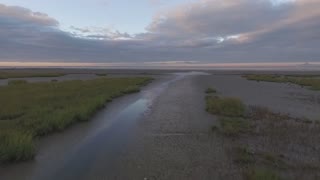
(162, 31)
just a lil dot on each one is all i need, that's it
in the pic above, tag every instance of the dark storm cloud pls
(206, 30)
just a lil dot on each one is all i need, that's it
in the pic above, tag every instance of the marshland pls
(161, 125)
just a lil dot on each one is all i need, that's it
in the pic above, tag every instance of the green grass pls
(36, 109)
(211, 90)
(232, 107)
(16, 145)
(309, 81)
(232, 126)
(261, 174)
(8, 74)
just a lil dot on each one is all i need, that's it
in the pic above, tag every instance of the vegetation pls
(211, 90)
(233, 126)
(268, 135)
(310, 81)
(261, 174)
(30, 110)
(8, 74)
(232, 107)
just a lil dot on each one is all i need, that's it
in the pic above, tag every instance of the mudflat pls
(174, 140)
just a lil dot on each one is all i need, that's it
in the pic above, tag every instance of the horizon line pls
(161, 65)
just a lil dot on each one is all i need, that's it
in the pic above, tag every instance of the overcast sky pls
(205, 31)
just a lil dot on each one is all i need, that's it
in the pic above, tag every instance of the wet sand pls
(161, 133)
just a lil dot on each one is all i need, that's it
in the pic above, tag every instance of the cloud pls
(26, 16)
(244, 29)
(204, 30)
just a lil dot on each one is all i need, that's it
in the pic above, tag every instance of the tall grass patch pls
(36, 109)
(232, 126)
(225, 106)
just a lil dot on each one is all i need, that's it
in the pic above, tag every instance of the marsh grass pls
(36, 109)
(255, 173)
(232, 126)
(16, 146)
(231, 112)
(225, 106)
(309, 81)
(7, 74)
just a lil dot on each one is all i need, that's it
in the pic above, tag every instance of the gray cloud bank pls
(205, 31)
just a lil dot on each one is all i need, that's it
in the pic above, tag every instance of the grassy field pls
(7, 74)
(310, 81)
(30, 110)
